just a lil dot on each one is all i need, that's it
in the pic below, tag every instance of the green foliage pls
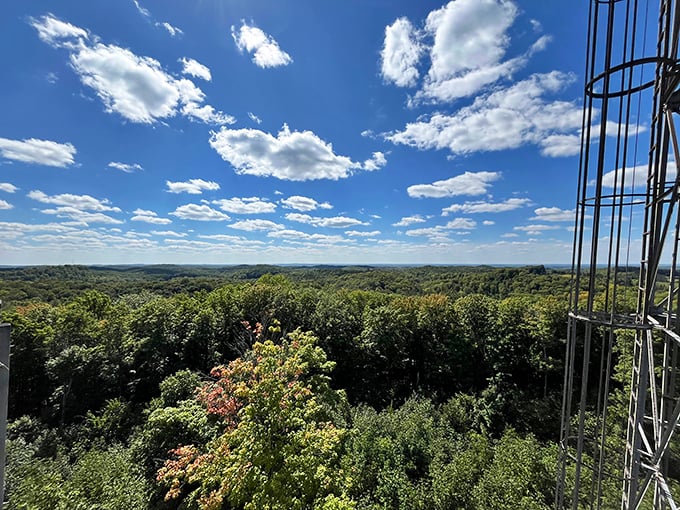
(280, 447)
(104, 479)
(521, 475)
(389, 454)
(121, 365)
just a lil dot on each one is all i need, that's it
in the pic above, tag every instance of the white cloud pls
(633, 176)
(81, 216)
(38, 152)
(7, 187)
(4, 205)
(487, 207)
(296, 236)
(400, 54)
(536, 229)
(149, 217)
(304, 204)
(332, 222)
(206, 114)
(357, 233)
(254, 118)
(57, 33)
(263, 47)
(192, 186)
(82, 202)
(135, 87)
(561, 145)
(172, 30)
(249, 205)
(125, 167)
(469, 42)
(194, 68)
(291, 155)
(144, 12)
(199, 213)
(258, 224)
(468, 183)
(461, 223)
(442, 231)
(502, 119)
(488, 223)
(553, 214)
(510, 235)
(168, 233)
(376, 162)
(407, 221)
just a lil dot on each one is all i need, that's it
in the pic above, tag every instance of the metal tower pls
(621, 404)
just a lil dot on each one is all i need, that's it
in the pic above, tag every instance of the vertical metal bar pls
(4, 398)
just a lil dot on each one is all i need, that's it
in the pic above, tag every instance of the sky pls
(310, 132)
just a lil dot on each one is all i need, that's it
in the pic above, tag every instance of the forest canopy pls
(297, 388)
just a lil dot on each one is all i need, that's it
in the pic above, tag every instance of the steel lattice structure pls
(627, 203)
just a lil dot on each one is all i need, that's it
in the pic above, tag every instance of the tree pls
(281, 441)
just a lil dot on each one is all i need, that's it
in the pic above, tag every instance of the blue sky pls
(229, 131)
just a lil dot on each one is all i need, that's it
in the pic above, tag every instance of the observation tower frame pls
(620, 355)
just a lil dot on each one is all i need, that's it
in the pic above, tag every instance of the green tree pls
(281, 443)
(521, 475)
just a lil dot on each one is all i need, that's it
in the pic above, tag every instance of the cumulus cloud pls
(168, 233)
(376, 162)
(297, 236)
(194, 68)
(192, 186)
(81, 217)
(553, 214)
(487, 207)
(468, 183)
(407, 221)
(81, 209)
(257, 224)
(561, 145)
(7, 187)
(535, 229)
(466, 40)
(442, 231)
(304, 204)
(400, 54)
(5, 205)
(470, 41)
(332, 222)
(290, 155)
(135, 87)
(488, 223)
(149, 217)
(58, 33)
(82, 202)
(265, 50)
(503, 119)
(38, 152)
(199, 213)
(125, 167)
(249, 205)
(357, 233)
(632, 176)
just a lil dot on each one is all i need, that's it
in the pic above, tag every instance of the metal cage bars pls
(622, 81)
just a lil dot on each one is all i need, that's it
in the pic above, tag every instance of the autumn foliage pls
(280, 443)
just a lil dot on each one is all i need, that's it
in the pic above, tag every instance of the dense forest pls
(173, 387)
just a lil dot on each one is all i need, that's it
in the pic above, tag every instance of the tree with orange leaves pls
(281, 441)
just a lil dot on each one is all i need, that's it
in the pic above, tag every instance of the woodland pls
(266, 387)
